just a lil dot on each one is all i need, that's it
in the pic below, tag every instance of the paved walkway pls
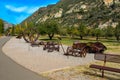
(9, 70)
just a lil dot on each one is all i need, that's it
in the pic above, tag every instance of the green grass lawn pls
(113, 47)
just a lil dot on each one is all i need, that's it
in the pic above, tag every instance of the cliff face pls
(73, 12)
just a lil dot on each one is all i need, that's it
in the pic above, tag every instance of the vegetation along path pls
(9, 70)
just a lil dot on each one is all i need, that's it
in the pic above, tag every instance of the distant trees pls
(109, 31)
(97, 33)
(69, 31)
(51, 27)
(117, 32)
(13, 30)
(75, 31)
(63, 31)
(17, 29)
(72, 31)
(10, 31)
(82, 30)
(1, 26)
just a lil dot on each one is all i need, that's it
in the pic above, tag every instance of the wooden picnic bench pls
(106, 58)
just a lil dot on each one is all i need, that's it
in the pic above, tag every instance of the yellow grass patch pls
(83, 72)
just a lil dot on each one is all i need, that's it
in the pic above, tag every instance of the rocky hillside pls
(7, 25)
(73, 12)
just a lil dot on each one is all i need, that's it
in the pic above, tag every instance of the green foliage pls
(69, 30)
(63, 31)
(18, 29)
(82, 30)
(72, 31)
(117, 32)
(109, 31)
(97, 33)
(75, 31)
(30, 24)
(50, 28)
(1, 26)
(41, 28)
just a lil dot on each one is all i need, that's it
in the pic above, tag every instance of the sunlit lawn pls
(112, 45)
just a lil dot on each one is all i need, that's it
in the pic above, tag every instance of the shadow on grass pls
(48, 39)
(75, 38)
(100, 40)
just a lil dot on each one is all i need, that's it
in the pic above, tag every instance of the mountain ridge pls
(73, 12)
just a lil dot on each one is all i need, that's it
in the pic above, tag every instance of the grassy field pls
(113, 47)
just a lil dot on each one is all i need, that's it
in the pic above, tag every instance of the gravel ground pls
(39, 61)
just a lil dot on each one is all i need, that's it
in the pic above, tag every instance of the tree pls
(109, 31)
(97, 33)
(7, 31)
(63, 31)
(69, 31)
(75, 31)
(1, 26)
(72, 31)
(51, 28)
(117, 32)
(18, 29)
(41, 28)
(82, 30)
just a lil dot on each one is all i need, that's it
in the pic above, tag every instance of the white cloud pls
(16, 9)
(24, 9)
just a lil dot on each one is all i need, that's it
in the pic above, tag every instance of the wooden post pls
(104, 64)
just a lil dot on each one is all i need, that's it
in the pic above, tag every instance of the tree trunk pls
(117, 38)
(81, 37)
(97, 37)
(51, 36)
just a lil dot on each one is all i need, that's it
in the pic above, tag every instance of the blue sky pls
(15, 11)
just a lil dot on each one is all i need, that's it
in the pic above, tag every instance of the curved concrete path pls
(9, 70)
